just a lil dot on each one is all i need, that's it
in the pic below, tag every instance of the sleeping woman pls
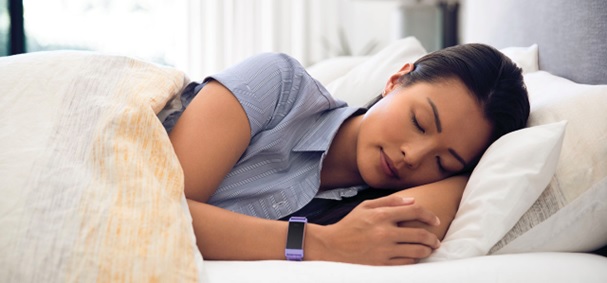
(263, 141)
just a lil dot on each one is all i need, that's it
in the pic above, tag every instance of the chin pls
(372, 181)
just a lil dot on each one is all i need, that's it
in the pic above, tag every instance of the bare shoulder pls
(208, 139)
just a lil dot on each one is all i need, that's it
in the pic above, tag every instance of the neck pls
(339, 168)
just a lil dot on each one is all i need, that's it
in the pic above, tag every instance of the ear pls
(393, 80)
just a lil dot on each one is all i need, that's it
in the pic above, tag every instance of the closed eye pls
(416, 124)
(441, 169)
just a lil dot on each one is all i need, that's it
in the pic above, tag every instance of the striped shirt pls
(293, 120)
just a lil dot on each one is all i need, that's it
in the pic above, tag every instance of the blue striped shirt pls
(293, 120)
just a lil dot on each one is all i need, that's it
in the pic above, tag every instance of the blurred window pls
(140, 28)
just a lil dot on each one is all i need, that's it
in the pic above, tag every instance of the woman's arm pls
(368, 235)
(209, 137)
(442, 198)
(213, 133)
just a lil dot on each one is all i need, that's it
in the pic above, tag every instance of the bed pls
(92, 191)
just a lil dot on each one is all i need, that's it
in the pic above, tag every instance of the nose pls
(413, 156)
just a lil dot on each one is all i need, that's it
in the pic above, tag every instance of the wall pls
(474, 32)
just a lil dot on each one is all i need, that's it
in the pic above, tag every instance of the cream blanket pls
(91, 189)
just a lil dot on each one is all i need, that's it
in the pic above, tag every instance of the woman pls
(263, 140)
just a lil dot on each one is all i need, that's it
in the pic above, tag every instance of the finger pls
(417, 237)
(411, 212)
(391, 200)
(411, 251)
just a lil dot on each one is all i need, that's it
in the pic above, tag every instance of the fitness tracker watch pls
(295, 238)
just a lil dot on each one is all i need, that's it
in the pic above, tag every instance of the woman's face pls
(420, 134)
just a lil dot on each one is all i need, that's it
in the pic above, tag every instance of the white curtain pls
(219, 33)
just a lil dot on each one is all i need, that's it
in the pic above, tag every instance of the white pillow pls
(524, 57)
(571, 213)
(510, 176)
(368, 79)
(329, 70)
(370, 74)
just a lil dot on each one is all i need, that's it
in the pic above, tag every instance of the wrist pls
(296, 238)
(316, 243)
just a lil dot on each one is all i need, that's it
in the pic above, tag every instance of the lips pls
(387, 165)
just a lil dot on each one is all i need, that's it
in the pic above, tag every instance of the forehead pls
(451, 95)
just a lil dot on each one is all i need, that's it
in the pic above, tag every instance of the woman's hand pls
(370, 234)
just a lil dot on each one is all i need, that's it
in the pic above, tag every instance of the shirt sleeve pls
(266, 86)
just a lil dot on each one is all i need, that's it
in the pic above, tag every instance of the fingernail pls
(408, 200)
(437, 244)
(437, 222)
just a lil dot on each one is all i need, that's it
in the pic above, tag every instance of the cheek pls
(388, 116)
(475, 144)
(369, 174)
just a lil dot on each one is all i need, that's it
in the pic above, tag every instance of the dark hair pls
(494, 80)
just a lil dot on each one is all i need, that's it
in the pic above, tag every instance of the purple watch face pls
(295, 237)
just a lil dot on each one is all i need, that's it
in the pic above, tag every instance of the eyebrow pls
(439, 128)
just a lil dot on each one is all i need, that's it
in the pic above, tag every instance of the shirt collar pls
(323, 131)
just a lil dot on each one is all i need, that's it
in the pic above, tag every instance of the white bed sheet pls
(529, 267)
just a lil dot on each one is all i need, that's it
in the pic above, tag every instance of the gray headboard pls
(571, 35)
